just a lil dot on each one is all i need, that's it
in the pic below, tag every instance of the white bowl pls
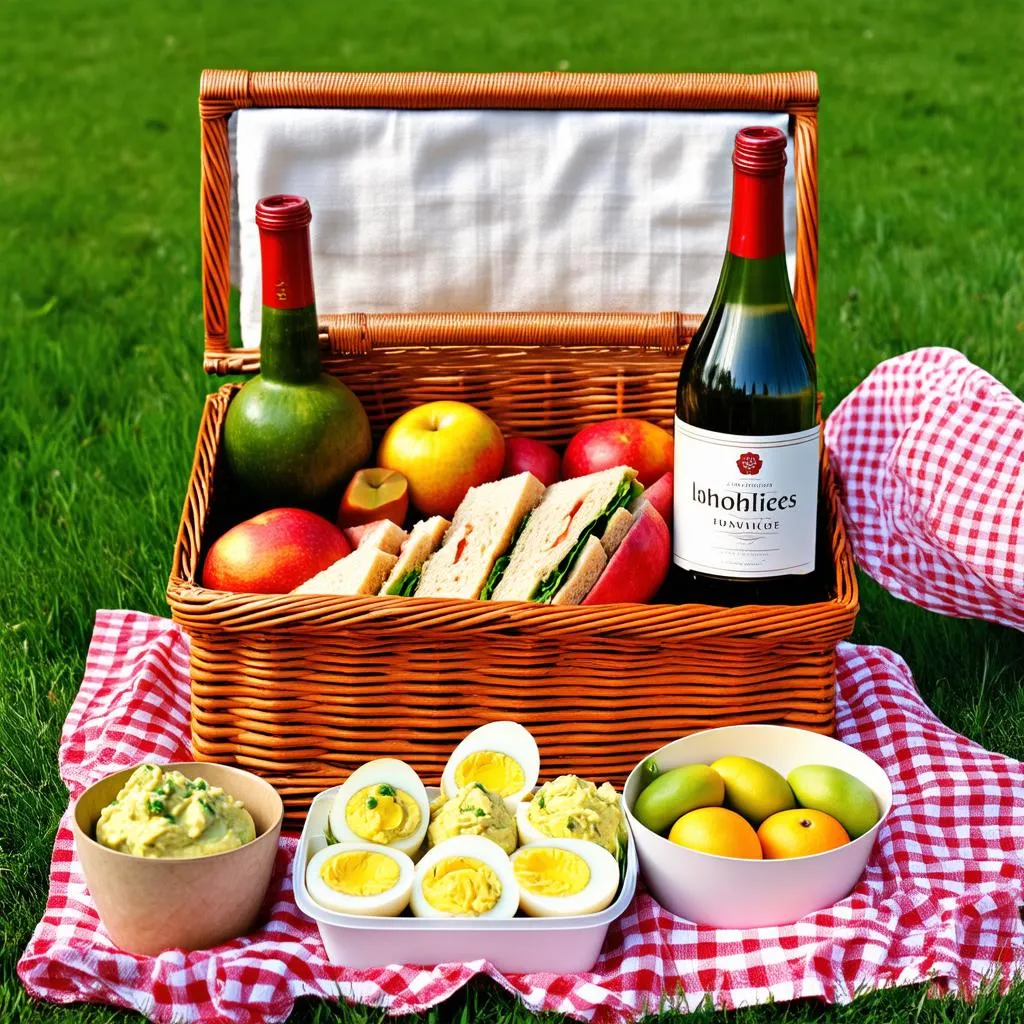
(729, 892)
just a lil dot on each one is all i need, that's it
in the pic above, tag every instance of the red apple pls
(623, 442)
(443, 449)
(274, 552)
(639, 566)
(660, 495)
(374, 494)
(524, 455)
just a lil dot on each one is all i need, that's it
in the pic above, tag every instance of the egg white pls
(386, 904)
(505, 737)
(382, 771)
(481, 849)
(598, 893)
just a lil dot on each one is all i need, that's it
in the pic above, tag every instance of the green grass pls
(100, 329)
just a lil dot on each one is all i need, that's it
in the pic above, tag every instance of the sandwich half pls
(361, 572)
(484, 528)
(421, 543)
(554, 550)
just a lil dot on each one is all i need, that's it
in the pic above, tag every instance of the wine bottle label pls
(745, 507)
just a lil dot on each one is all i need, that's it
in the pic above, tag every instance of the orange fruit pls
(716, 830)
(799, 833)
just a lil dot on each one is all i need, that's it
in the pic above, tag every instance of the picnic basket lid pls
(612, 248)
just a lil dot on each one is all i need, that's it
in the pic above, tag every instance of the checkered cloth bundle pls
(938, 902)
(929, 451)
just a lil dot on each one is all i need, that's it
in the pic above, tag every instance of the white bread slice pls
(617, 528)
(423, 540)
(589, 566)
(385, 536)
(555, 526)
(361, 572)
(482, 529)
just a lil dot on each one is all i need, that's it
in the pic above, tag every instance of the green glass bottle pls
(293, 435)
(746, 436)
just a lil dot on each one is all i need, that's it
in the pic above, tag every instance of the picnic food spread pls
(515, 519)
(160, 813)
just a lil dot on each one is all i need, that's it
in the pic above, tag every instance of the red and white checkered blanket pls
(938, 902)
(929, 450)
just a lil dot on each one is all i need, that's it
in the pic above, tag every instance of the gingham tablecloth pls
(929, 451)
(938, 902)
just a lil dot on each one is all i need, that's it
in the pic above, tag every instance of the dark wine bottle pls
(746, 434)
(293, 435)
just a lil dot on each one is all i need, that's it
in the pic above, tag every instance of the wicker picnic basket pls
(301, 689)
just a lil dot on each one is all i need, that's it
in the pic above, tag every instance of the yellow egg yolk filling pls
(360, 873)
(500, 773)
(382, 814)
(462, 885)
(548, 871)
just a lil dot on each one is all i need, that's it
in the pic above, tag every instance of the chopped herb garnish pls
(371, 802)
(169, 817)
(540, 802)
(164, 789)
(206, 805)
(480, 812)
(386, 790)
(149, 767)
(480, 786)
(156, 805)
(570, 825)
(200, 783)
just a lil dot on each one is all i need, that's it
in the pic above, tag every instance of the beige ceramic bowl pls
(728, 892)
(148, 904)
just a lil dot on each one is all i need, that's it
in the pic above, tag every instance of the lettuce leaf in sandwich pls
(627, 491)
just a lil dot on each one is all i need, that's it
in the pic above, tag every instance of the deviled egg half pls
(502, 756)
(465, 876)
(564, 877)
(382, 802)
(361, 878)
(569, 807)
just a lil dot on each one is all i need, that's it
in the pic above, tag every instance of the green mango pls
(824, 788)
(676, 792)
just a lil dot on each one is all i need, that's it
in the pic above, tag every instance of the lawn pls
(922, 216)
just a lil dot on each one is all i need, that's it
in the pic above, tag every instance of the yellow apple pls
(443, 449)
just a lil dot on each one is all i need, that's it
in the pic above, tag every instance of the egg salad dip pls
(162, 813)
(382, 814)
(474, 810)
(573, 808)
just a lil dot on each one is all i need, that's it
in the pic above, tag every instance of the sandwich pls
(568, 540)
(361, 572)
(423, 541)
(484, 530)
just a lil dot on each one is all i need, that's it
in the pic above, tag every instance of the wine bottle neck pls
(289, 347)
(756, 230)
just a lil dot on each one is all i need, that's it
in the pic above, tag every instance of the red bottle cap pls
(282, 213)
(760, 150)
(287, 270)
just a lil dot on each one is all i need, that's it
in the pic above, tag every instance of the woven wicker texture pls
(304, 688)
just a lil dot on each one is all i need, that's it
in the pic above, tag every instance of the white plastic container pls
(561, 945)
(729, 892)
